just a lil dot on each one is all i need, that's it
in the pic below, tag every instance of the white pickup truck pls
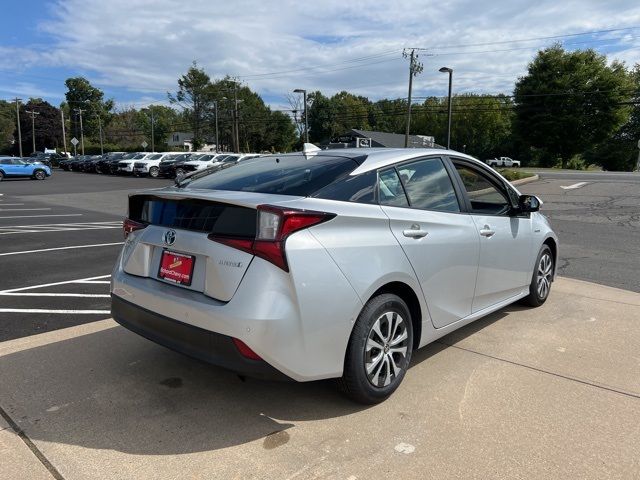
(503, 162)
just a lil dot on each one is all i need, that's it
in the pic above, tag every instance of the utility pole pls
(153, 139)
(236, 119)
(79, 111)
(215, 104)
(64, 135)
(450, 72)
(100, 130)
(306, 122)
(18, 117)
(414, 69)
(33, 114)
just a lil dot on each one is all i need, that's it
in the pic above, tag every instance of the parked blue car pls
(16, 167)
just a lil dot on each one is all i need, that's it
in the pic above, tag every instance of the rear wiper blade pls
(184, 180)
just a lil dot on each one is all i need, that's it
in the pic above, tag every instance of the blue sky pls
(135, 49)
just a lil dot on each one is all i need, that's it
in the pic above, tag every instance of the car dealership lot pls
(545, 393)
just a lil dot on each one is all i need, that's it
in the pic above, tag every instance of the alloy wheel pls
(545, 273)
(385, 352)
(40, 175)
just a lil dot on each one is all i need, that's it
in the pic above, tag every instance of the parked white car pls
(331, 264)
(203, 161)
(125, 166)
(150, 165)
(506, 162)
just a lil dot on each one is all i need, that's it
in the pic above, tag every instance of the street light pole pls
(19, 131)
(64, 134)
(33, 114)
(215, 105)
(450, 72)
(100, 130)
(79, 111)
(306, 121)
(153, 136)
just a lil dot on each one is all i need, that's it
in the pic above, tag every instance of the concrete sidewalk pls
(552, 392)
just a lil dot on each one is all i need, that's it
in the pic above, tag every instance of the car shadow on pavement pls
(114, 390)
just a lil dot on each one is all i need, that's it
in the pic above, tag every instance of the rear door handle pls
(486, 231)
(415, 232)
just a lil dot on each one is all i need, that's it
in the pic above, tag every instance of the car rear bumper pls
(211, 347)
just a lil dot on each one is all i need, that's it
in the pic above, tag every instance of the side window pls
(359, 189)
(429, 186)
(5, 161)
(390, 191)
(485, 197)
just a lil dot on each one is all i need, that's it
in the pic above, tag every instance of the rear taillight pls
(274, 225)
(129, 226)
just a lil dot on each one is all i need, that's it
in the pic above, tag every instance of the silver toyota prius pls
(329, 264)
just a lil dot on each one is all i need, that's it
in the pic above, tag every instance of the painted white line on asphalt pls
(11, 204)
(61, 248)
(11, 231)
(114, 222)
(31, 294)
(43, 310)
(94, 281)
(21, 209)
(53, 284)
(42, 216)
(575, 185)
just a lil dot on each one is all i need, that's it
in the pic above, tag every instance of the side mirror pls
(529, 203)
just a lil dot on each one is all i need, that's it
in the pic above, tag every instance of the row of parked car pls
(152, 164)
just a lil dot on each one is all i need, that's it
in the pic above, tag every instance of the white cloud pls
(144, 45)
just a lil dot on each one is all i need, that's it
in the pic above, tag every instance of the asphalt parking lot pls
(58, 242)
(546, 393)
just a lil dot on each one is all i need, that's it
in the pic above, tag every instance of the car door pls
(14, 168)
(439, 239)
(505, 237)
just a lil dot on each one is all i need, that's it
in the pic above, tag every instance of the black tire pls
(153, 172)
(39, 175)
(1, 175)
(356, 382)
(542, 277)
(179, 172)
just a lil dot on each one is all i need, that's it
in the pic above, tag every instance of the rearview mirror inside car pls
(529, 203)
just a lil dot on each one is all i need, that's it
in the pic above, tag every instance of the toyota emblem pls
(169, 237)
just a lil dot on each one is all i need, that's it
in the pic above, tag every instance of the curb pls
(522, 181)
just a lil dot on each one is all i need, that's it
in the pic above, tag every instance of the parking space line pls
(11, 204)
(21, 209)
(44, 310)
(42, 216)
(57, 227)
(79, 280)
(61, 248)
(31, 294)
(94, 281)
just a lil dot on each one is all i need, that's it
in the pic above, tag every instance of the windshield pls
(128, 156)
(284, 175)
(154, 157)
(139, 156)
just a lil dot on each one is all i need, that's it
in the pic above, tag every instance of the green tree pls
(620, 151)
(96, 111)
(47, 126)
(569, 101)
(7, 125)
(333, 116)
(196, 96)
(165, 121)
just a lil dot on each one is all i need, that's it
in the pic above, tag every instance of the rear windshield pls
(282, 175)
(196, 215)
